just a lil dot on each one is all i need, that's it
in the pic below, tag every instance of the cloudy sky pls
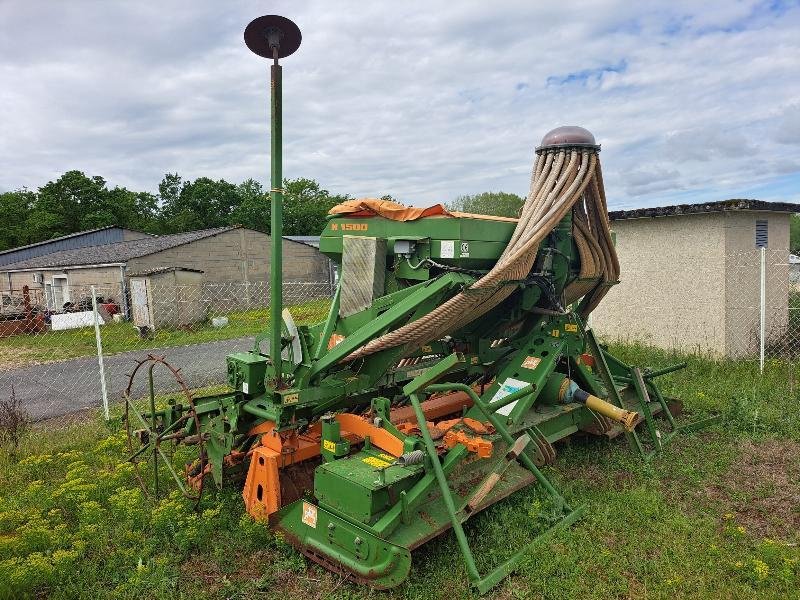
(690, 100)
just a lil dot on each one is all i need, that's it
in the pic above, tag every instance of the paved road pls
(58, 389)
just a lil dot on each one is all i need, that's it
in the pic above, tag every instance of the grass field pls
(23, 350)
(718, 516)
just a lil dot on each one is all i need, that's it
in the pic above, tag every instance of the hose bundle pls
(566, 176)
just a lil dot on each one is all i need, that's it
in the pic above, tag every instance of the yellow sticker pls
(376, 462)
(387, 457)
(329, 445)
(531, 362)
(291, 398)
(571, 327)
(474, 360)
(556, 333)
(355, 227)
(427, 348)
(309, 514)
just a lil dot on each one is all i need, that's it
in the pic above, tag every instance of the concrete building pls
(690, 276)
(236, 256)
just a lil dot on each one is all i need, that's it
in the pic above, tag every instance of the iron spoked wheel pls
(153, 438)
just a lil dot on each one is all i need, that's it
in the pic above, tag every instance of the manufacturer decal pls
(309, 514)
(291, 398)
(556, 333)
(329, 445)
(509, 387)
(448, 249)
(354, 226)
(531, 362)
(415, 372)
(571, 327)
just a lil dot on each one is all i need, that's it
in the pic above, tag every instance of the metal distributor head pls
(568, 136)
(272, 36)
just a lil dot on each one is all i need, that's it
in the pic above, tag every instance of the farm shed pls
(169, 296)
(80, 239)
(690, 276)
(235, 258)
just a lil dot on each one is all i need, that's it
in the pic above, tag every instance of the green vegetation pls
(22, 350)
(716, 517)
(75, 202)
(501, 204)
(794, 234)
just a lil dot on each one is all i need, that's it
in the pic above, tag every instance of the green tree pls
(253, 209)
(305, 206)
(15, 208)
(794, 234)
(200, 204)
(69, 204)
(501, 204)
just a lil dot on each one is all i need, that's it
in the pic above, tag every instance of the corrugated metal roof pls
(80, 239)
(308, 240)
(119, 252)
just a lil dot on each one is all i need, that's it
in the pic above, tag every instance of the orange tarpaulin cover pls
(373, 207)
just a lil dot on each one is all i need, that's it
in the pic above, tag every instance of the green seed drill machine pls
(454, 357)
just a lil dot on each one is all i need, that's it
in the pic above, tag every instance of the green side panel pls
(343, 546)
(363, 486)
(246, 372)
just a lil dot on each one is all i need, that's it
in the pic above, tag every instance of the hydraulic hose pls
(566, 177)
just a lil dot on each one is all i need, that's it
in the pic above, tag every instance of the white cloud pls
(425, 101)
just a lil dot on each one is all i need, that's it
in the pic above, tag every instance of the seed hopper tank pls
(455, 356)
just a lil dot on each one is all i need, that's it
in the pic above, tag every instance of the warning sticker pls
(531, 362)
(464, 249)
(448, 249)
(376, 462)
(509, 387)
(309, 514)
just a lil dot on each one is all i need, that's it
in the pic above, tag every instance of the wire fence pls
(50, 359)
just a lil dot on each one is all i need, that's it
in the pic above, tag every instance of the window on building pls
(762, 233)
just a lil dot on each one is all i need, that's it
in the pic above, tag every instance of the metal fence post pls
(763, 307)
(100, 353)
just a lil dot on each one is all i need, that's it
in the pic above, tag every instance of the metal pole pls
(99, 341)
(763, 305)
(276, 226)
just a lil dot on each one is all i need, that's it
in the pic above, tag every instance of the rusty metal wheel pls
(152, 431)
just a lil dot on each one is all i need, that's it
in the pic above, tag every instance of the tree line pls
(76, 202)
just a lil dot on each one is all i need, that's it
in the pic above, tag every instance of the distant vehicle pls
(11, 307)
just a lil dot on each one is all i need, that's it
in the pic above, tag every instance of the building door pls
(60, 291)
(48, 296)
(140, 304)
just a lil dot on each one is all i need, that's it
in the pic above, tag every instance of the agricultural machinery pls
(454, 357)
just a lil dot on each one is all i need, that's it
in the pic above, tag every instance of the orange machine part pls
(483, 448)
(262, 490)
(434, 408)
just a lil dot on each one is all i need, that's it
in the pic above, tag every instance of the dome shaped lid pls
(272, 30)
(568, 135)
